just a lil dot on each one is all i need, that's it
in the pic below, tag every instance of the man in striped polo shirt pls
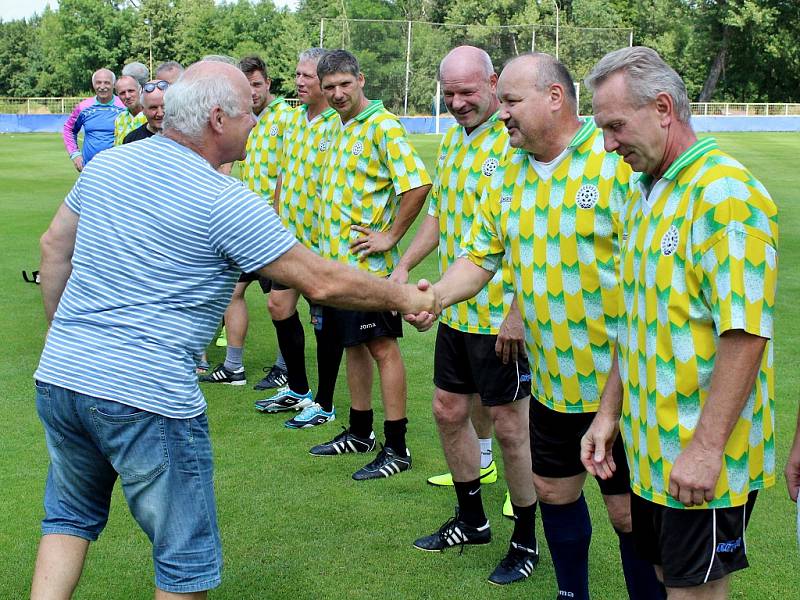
(373, 187)
(130, 93)
(259, 171)
(469, 358)
(553, 212)
(305, 143)
(692, 394)
(143, 281)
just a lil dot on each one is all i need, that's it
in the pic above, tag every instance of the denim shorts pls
(165, 469)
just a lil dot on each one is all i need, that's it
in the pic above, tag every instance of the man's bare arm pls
(696, 470)
(372, 242)
(328, 282)
(424, 242)
(57, 245)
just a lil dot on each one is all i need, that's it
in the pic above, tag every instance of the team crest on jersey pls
(273, 131)
(669, 243)
(323, 146)
(587, 196)
(358, 148)
(489, 166)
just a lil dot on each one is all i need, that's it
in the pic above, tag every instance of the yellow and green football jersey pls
(560, 232)
(370, 164)
(259, 170)
(465, 160)
(125, 123)
(304, 147)
(699, 259)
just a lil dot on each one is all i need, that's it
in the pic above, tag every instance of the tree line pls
(726, 50)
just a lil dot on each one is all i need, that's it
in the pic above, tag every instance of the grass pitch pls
(296, 526)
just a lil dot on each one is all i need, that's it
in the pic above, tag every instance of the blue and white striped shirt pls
(161, 240)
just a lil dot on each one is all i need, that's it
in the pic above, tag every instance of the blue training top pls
(161, 240)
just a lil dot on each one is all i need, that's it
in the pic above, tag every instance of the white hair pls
(188, 103)
(113, 77)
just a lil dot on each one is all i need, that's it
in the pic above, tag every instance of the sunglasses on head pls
(152, 85)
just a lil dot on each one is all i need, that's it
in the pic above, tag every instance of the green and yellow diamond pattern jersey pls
(464, 161)
(560, 232)
(304, 147)
(699, 259)
(370, 164)
(125, 123)
(259, 170)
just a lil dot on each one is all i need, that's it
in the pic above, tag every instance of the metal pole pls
(408, 70)
(533, 39)
(557, 24)
(151, 51)
(321, 32)
(438, 100)
(630, 39)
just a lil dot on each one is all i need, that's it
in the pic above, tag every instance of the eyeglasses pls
(152, 85)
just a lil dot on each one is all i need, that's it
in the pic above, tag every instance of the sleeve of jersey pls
(739, 264)
(119, 129)
(406, 168)
(244, 229)
(483, 245)
(70, 131)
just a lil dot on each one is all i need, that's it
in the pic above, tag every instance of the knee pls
(619, 512)
(511, 431)
(384, 350)
(450, 411)
(279, 310)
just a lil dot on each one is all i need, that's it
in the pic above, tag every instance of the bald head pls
(468, 85)
(103, 84)
(129, 91)
(467, 59)
(546, 70)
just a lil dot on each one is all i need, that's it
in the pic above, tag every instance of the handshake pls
(426, 303)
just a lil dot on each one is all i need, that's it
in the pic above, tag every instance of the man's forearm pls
(736, 367)
(461, 281)
(327, 282)
(426, 240)
(410, 204)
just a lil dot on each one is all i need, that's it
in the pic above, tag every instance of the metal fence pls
(38, 106)
(55, 106)
(739, 109)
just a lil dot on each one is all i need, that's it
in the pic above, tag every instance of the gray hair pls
(113, 77)
(337, 61)
(484, 63)
(138, 71)
(189, 102)
(311, 55)
(169, 66)
(223, 58)
(646, 75)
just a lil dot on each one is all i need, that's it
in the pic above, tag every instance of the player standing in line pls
(373, 186)
(471, 357)
(305, 143)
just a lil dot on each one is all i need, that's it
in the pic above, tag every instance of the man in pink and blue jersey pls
(96, 117)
